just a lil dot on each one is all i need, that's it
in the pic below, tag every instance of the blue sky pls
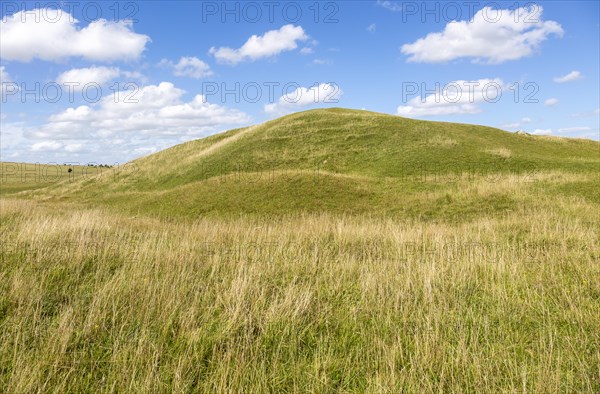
(154, 71)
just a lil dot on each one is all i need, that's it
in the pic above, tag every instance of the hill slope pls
(349, 269)
(346, 161)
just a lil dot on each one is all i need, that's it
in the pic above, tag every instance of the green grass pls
(327, 251)
(338, 161)
(94, 301)
(368, 144)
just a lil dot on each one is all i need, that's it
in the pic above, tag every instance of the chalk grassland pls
(98, 301)
(337, 161)
(328, 251)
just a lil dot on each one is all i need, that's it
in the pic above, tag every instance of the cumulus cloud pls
(11, 137)
(55, 146)
(390, 5)
(4, 80)
(55, 35)
(572, 76)
(309, 49)
(46, 146)
(492, 36)
(269, 44)
(372, 28)
(542, 132)
(516, 125)
(4, 75)
(551, 102)
(156, 110)
(84, 76)
(73, 148)
(19, 143)
(457, 97)
(110, 131)
(303, 97)
(191, 67)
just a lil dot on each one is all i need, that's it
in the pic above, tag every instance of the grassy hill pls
(343, 161)
(325, 251)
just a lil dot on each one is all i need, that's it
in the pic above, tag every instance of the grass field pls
(327, 251)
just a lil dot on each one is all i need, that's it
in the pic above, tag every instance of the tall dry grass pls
(91, 301)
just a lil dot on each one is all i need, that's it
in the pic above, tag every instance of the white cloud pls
(372, 28)
(133, 75)
(269, 44)
(55, 146)
(322, 62)
(572, 76)
(156, 110)
(492, 35)
(302, 97)
(72, 148)
(4, 80)
(54, 35)
(46, 146)
(390, 5)
(542, 132)
(84, 76)
(516, 125)
(12, 135)
(189, 67)
(551, 102)
(574, 129)
(192, 67)
(145, 150)
(4, 75)
(18, 142)
(309, 49)
(457, 97)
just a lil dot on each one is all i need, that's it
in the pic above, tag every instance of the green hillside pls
(343, 161)
(327, 251)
